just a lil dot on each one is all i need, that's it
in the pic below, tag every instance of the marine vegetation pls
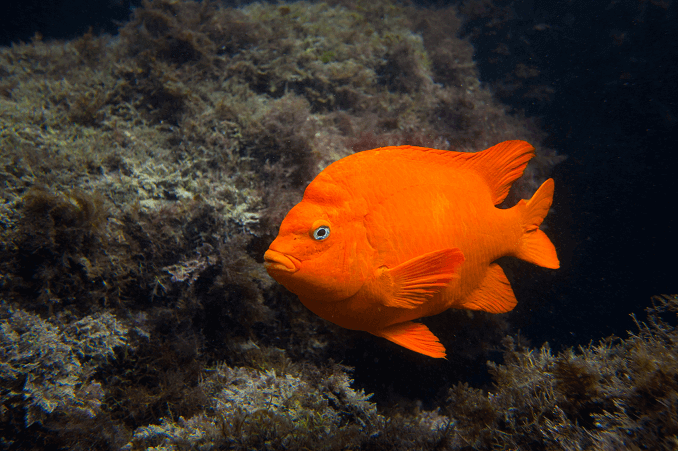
(617, 394)
(144, 176)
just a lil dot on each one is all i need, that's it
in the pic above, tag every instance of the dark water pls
(614, 113)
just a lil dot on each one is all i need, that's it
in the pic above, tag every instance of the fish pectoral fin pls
(494, 294)
(415, 281)
(414, 336)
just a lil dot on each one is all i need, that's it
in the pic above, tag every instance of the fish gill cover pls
(145, 174)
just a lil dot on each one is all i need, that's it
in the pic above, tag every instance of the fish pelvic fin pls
(415, 337)
(535, 247)
(417, 280)
(494, 294)
(501, 165)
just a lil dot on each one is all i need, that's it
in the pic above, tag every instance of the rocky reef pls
(143, 175)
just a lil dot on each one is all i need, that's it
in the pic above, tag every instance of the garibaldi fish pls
(386, 236)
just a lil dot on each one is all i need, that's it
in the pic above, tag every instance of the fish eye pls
(321, 233)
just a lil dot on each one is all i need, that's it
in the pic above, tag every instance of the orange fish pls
(389, 235)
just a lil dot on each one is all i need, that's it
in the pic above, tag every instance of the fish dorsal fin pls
(494, 294)
(501, 165)
(414, 336)
(415, 281)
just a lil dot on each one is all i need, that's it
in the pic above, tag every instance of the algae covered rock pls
(143, 176)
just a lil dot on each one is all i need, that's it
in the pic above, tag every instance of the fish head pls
(321, 251)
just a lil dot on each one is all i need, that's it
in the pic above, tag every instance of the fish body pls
(389, 235)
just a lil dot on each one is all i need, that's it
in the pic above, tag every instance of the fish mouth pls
(277, 261)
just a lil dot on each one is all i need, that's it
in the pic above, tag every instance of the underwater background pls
(149, 151)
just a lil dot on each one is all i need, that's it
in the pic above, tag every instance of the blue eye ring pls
(321, 233)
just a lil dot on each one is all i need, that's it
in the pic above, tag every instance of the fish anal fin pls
(415, 337)
(417, 280)
(494, 295)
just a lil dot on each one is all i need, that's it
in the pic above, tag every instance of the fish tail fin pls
(535, 246)
(501, 165)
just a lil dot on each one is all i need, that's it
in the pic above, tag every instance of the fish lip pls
(277, 261)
